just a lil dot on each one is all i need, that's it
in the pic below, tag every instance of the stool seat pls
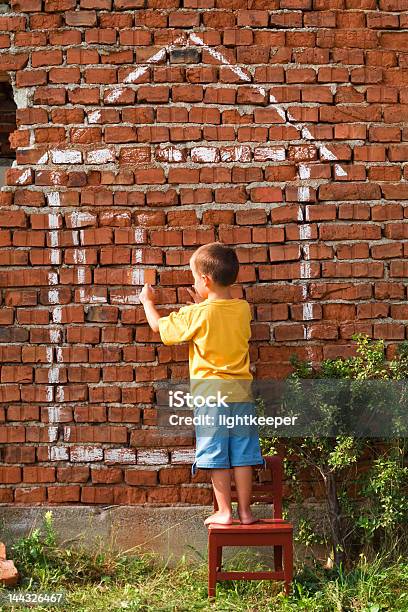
(264, 524)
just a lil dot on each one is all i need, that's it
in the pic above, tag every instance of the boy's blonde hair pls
(219, 261)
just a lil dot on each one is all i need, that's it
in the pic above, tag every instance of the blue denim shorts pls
(225, 437)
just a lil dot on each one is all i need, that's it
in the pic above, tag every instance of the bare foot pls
(247, 518)
(219, 517)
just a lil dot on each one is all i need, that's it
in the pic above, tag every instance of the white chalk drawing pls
(238, 153)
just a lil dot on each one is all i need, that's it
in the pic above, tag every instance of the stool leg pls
(212, 566)
(277, 557)
(288, 564)
(219, 557)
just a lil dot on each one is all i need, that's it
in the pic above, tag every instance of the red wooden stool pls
(274, 532)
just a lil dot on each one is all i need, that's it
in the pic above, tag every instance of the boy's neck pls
(219, 294)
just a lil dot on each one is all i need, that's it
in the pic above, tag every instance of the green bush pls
(375, 517)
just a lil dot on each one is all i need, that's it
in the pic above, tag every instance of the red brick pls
(31, 78)
(9, 575)
(59, 5)
(12, 24)
(46, 58)
(30, 39)
(27, 6)
(63, 494)
(73, 474)
(30, 495)
(174, 475)
(50, 95)
(196, 495)
(97, 495)
(10, 474)
(5, 41)
(106, 475)
(19, 454)
(65, 37)
(37, 474)
(100, 75)
(65, 75)
(80, 18)
(120, 134)
(163, 495)
(103, 37)
(6, 495)
(128, 495)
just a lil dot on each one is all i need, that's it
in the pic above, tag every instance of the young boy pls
(217, 327)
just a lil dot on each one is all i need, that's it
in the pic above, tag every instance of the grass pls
(114, 581)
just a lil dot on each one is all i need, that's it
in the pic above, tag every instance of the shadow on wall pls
(7, 123)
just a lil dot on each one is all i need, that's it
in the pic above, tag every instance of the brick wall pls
(144, 129)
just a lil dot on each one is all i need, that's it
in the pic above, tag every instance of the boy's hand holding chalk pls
(147, 294)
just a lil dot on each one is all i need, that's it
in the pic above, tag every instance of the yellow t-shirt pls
(218, 332)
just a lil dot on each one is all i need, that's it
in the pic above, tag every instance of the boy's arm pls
(146, 297)
(152, 315)
(177, 327)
